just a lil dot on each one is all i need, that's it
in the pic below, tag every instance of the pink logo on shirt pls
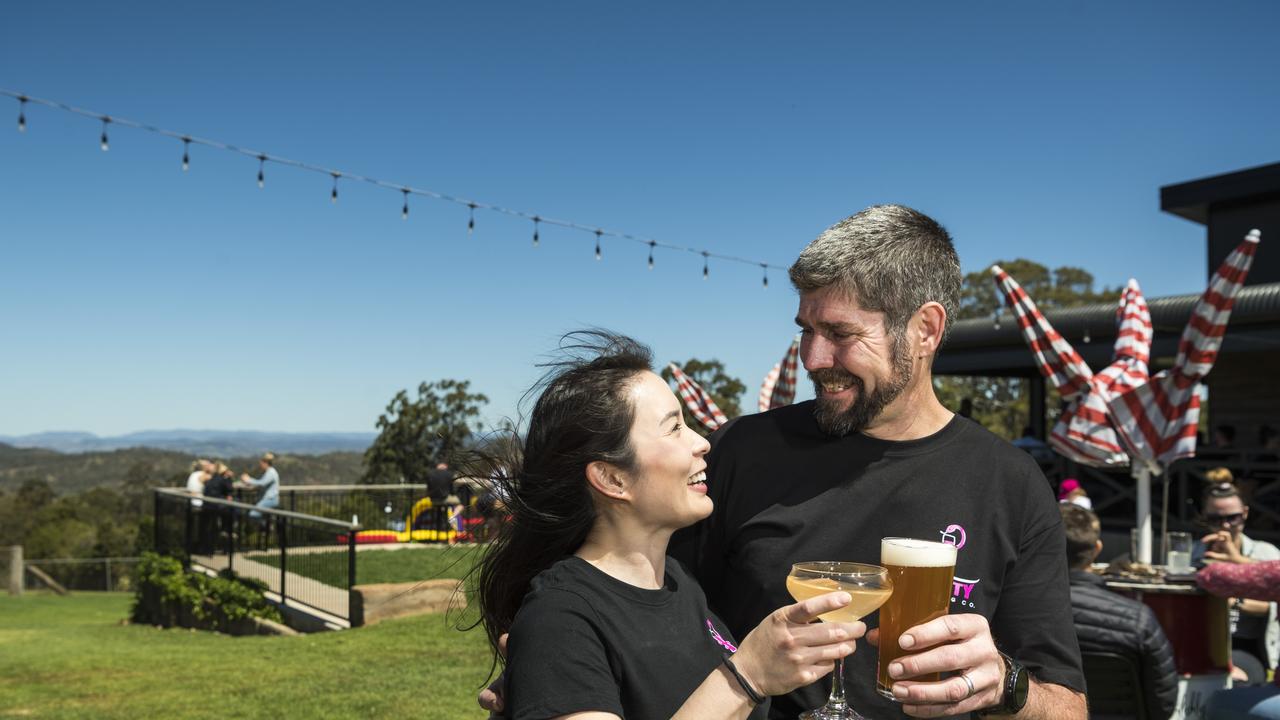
(715, 635)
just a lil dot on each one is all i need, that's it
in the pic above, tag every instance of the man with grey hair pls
(877, 455)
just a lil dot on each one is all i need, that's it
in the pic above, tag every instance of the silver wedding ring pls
(968, 681)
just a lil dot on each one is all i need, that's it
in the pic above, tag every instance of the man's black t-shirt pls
(584, 640)
(785, 492)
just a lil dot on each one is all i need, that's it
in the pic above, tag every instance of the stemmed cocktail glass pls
(869, 585)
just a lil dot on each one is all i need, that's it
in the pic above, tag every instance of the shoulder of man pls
(745, 428)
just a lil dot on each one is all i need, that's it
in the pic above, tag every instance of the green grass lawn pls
(71, 657)
(409, 564)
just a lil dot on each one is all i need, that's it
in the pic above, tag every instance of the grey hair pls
(888, 258)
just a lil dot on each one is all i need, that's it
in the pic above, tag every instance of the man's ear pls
(607, 480)
(931, 322)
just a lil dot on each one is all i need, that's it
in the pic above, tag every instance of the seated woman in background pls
(1255, 639)
(1257, 581)
(602, 623)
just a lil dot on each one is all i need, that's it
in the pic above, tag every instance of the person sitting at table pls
(1109, 622)
(269, 482)
(1256, 581)
(1255, 637)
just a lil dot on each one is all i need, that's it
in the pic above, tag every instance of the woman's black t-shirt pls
(586, 641)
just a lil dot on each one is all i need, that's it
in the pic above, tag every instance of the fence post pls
(16, 576)
(283, 528)
(237, 525)
(351, 569)
(106, 571)
(186, 535)
(155, 494)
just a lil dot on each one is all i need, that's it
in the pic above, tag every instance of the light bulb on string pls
(706, 270)
(651, 244)
(186, 154)
(262, 162)
(22, 113)
(471, 218)
(598, 233)
(104, 144)
(765, 280)
(536, 220)
(404, 212)
(333, 195)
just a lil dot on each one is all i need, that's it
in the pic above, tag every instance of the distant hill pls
(75, 472)
(223, 443)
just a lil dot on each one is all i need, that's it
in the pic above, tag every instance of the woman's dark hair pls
(583, 414)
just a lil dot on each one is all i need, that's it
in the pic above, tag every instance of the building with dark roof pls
(1244, 386)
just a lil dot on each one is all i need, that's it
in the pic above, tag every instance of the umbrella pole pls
(1164, 519)
(1142, 475)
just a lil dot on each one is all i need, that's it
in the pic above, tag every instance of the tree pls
(1002, 404)
(723, 388)
(414, 435)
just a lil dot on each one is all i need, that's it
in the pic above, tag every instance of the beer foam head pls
(908, 552)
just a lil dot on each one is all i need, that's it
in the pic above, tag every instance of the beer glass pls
(922, 573)
(868, 585)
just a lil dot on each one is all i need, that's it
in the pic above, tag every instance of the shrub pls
(167, 595)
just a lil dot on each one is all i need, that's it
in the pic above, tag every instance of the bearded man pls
(877, 455)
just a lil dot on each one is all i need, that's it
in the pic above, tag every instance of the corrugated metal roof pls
(1254, 305)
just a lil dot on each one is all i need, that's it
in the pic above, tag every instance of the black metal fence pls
(305, 562)
(391, 513)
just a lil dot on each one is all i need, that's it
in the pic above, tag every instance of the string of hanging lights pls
(472, 205)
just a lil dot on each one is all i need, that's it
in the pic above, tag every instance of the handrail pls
(72, 561)
(330, 488)
(183, 494)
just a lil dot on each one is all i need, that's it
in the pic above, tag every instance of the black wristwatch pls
(1017, 683)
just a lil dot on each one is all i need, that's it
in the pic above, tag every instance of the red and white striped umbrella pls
(1090, 441)
(698, 401)
(1085, 431)
(779, 388)
(1158, 419)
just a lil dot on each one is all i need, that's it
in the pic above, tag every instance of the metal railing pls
(304, 561)
(389, 513)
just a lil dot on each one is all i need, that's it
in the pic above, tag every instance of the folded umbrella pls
(779, 387)
(698, 401)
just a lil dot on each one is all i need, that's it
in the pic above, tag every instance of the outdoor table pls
(1199, 630)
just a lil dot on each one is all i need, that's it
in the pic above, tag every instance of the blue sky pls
(135, 296)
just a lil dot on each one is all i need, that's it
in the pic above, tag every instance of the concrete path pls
(327, 603)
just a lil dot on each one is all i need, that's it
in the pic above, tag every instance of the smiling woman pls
(602, 623)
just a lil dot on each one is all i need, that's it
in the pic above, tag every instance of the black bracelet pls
(755, 697)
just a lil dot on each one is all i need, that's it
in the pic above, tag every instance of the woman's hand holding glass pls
(788, 650)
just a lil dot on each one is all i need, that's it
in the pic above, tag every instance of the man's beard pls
(833, 420)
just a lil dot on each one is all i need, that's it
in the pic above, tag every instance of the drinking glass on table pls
(922, 573)
(868, 585)
(1177, 558)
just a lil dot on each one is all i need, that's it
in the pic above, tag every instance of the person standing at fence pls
(440, 483)
(201, 471)
(268, 482)
(214, 517)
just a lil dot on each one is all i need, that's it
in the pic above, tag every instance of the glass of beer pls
(868, 585)
(921, 572)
